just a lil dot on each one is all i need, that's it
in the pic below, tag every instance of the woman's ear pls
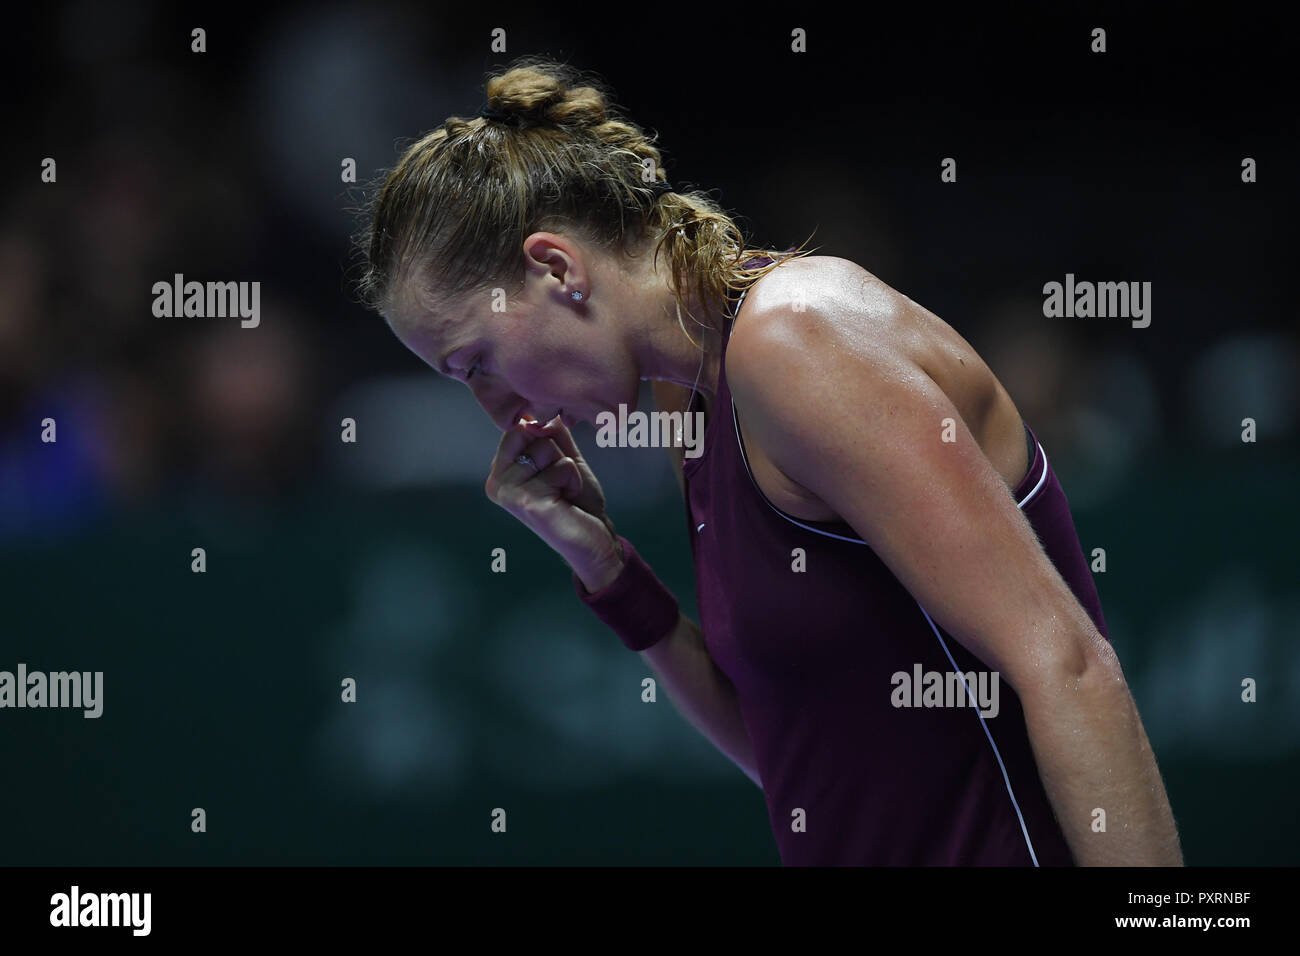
(559, 262)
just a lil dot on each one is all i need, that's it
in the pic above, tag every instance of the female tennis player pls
(899, 640)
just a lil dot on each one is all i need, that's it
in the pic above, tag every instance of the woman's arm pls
(843, 412)
(562, 502)
(695, 685)
(681, 661)
(702, 693)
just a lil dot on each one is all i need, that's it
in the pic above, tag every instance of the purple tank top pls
(850, 778)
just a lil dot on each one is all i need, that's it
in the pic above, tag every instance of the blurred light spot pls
(1246, 376)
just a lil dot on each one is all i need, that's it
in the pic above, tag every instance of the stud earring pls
(577, 296)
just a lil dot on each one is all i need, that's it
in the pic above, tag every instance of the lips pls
(568, 420)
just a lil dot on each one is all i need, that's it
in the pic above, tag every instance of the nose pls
(501, 404)
(507, 421)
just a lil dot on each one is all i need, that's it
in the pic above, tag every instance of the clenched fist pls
(557, 496)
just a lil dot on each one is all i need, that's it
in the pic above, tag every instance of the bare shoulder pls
(824, 302)
(823, 279)
(822, 328)
(820, 302)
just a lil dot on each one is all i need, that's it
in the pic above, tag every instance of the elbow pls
(1090, 657)
(1085, 665)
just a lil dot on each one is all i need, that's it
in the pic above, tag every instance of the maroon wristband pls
(636, 605)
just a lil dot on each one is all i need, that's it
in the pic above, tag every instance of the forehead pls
(430, 325)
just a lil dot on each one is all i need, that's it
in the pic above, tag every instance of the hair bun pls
(545, 93)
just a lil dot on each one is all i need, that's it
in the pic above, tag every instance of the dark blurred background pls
(371, 560)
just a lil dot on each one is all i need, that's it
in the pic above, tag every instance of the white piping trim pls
(975, 706)
(1041, 478)
(1020, 504)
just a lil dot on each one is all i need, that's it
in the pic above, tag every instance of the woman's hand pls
(560, 501)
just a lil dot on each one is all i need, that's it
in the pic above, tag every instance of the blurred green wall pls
(479, 690)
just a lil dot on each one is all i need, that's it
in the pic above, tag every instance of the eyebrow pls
(442, 367)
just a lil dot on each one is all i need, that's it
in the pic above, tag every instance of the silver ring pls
(528, 460)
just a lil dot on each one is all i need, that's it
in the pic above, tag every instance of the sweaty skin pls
(883, 319)
(841, 388)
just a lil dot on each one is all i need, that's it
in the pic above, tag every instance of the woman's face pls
(545, 354)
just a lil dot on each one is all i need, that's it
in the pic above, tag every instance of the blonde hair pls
(462, 199)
